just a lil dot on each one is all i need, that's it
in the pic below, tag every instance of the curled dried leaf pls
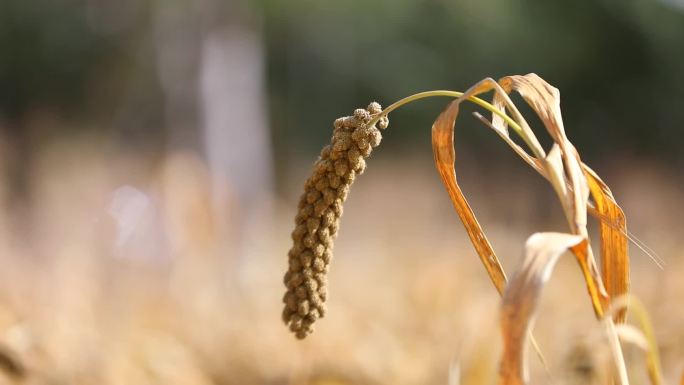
(445, 157)
(562, 166)
(521, 299)
(545, 101)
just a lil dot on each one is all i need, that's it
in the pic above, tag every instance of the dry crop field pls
(114, 276)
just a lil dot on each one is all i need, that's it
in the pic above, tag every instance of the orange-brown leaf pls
(445, 157)
(614, 257)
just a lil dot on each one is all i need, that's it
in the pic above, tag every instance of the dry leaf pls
(445, 157)
(520, 300)
(573, 181)
(614, 258)
(562, 167)
(545, 101)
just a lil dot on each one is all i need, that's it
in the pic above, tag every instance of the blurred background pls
(152, 154)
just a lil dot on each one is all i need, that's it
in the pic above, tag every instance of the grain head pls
(319, 211)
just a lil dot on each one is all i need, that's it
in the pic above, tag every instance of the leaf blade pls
(520, 299)
(445, 157)
(614, 257)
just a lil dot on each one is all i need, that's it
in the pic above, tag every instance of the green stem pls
(455, 94)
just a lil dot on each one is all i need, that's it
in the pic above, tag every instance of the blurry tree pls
(130, 69)
(616, 63)
(69, 66)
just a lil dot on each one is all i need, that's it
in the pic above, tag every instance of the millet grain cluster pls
(318, 217)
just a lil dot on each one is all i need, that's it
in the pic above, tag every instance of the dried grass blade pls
(614, 257)
(545, 101)
(563, 170)
(520, 300)
(445, 157)
(592, 277)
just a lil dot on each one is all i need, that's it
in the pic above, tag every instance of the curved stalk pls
(456, 94)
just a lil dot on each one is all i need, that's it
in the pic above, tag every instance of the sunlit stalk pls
(456, 94)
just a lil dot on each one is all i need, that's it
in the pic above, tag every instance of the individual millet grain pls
(318, 217)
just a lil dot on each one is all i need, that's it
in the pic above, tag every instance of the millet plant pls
(580, 190)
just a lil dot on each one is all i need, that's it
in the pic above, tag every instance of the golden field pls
(124, 269)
